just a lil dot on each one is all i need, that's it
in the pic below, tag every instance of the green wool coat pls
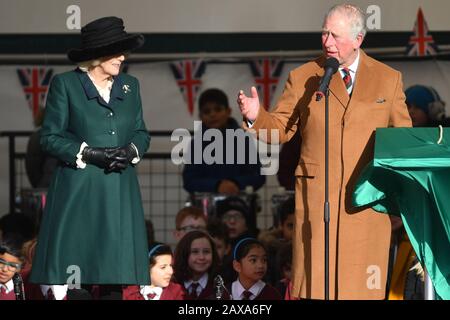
(93, 229)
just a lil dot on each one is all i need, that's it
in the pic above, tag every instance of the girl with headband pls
(250, 262)
(161, 287)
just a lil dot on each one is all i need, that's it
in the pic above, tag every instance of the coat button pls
(112, 132)
(110, 114)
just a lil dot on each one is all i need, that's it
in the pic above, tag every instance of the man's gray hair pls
(355, 16)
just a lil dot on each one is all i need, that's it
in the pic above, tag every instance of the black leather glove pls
(122, 157)
(100, 157)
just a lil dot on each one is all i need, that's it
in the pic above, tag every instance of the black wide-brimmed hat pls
(104, 37)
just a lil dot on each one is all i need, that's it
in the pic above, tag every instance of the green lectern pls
(410, 177)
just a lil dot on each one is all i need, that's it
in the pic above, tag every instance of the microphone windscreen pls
(332, 63)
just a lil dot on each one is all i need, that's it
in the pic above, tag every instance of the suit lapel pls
(117, 90)
(86, 83)
(363, 80)
(338, 90)
(337, 86)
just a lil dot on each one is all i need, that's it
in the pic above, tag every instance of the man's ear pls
(358, 41)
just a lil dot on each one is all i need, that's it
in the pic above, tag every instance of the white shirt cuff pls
(136, 159)
(80, 163)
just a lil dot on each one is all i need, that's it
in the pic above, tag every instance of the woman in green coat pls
(93, 229)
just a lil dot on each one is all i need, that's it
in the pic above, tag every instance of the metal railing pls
(160, 181)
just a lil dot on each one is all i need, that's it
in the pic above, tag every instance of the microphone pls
(18, 287)
(331, 66)
(220, 286)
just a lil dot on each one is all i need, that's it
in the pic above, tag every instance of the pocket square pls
(381, 100)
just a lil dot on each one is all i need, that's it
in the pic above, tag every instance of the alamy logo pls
(374, 279)
(236, 147)
(74, 280)
(73, 21)
(373, 20)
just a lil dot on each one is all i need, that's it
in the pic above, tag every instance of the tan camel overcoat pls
(359, 239)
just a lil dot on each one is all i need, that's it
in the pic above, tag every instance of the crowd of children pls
(210, 250)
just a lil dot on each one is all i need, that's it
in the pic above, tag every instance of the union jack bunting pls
(188, 74)
(267, 75)
(421, 43)
(35, 83)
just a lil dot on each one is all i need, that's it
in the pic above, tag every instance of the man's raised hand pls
(249, 106)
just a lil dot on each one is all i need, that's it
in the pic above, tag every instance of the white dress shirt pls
(237, 290)
(105, 92)
(352, 68)
(146, 290)
(9, 286)
(203, 282)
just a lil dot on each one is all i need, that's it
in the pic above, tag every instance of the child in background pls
(284, 265)
(277, 236)
(11, 261)
(219, 233)
(35, 291)
(235, 213)
(188, 219)
(281, 233)
(196, 263)
(161, 271)
(250, 262)
(222, 176)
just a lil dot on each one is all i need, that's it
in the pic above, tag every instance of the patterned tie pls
(151, 296)
(2, 290)
(194, 287)
(246, 295)
(347, 78)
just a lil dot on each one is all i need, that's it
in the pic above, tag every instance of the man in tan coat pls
(372, 98)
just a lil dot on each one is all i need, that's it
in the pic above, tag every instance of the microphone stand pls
(331, 67)
(18, 287)
(218, 285)
(326, 207)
